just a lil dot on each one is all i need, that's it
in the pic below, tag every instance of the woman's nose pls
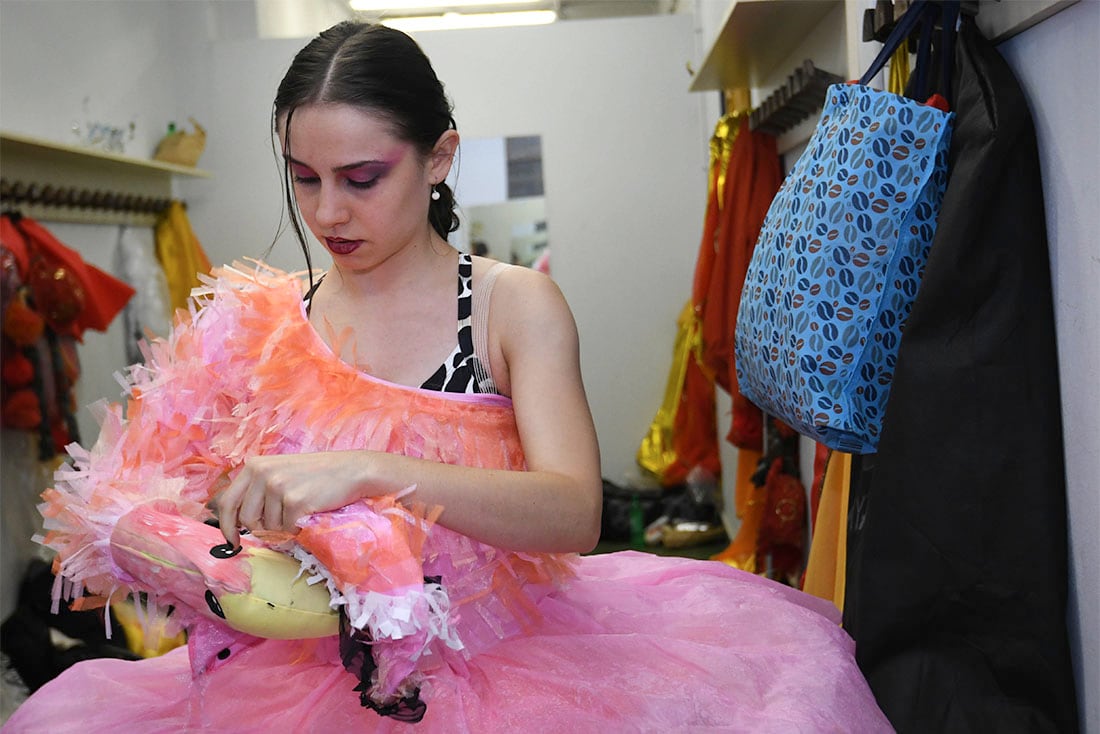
(331, 207)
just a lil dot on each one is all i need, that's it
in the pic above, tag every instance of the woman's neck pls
(397, 320)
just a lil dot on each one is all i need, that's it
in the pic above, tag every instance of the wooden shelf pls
(755, 37)
(17, 146)
(31, 161)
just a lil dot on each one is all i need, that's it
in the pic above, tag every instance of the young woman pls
(400, 457)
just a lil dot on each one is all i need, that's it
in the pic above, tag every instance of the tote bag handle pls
(922, 12)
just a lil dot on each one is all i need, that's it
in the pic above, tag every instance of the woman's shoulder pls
(518, 290)
(527, 309)
(528, 319)
(514, 275)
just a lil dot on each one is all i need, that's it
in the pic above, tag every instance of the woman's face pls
(361, 190)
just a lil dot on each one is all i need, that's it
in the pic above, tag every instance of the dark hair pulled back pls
(379, 69)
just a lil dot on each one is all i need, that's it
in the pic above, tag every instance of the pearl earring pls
(435, 194)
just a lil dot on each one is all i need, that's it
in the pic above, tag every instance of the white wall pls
(1056, 63)
(129, 59)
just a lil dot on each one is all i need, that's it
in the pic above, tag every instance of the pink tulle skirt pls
(626, 642)
(636, 643)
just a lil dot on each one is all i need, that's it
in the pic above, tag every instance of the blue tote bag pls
(840, 255)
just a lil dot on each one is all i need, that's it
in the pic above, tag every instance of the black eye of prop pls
(225, 550)
(212, 602)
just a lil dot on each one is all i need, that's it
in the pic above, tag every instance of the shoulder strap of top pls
(482, 294)
(308, 297)
(465, 303)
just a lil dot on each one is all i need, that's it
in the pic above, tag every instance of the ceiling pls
(566, 9)
(301, 19)
(581, 9)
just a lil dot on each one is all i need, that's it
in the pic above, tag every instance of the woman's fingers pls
(228, 508)
(266, 494)
(251, 512)
(227, 522)
(273, 513)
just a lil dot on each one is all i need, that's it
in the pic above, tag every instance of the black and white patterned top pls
(463, 371)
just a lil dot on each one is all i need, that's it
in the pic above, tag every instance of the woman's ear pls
(443, 154)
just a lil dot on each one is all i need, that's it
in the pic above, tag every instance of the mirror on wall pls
(498, 184)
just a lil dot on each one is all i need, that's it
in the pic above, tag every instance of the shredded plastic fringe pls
(244, 373)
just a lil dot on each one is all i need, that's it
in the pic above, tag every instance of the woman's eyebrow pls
(362, 164)
(345, 167)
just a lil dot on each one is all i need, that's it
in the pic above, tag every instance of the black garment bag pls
(957, 555)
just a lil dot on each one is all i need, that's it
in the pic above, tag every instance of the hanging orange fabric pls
(750, 501)
(180, 254)
(753, 176)
(721, 146)
(52, 296)
(694, 429)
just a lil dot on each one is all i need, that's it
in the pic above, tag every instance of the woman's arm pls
(553, 506)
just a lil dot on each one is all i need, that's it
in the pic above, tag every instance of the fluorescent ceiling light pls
(436, 6)
(452, 21)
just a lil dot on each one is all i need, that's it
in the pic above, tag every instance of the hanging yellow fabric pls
(825, 569)
(899, 70)
(656, 452)
(180, 254)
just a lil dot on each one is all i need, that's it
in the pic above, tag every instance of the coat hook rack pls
(76, 201)
(794, 101)
(880, 20)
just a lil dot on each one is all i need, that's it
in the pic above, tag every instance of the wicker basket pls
(182, 148)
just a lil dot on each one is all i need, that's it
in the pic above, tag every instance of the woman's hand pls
(274, 492)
